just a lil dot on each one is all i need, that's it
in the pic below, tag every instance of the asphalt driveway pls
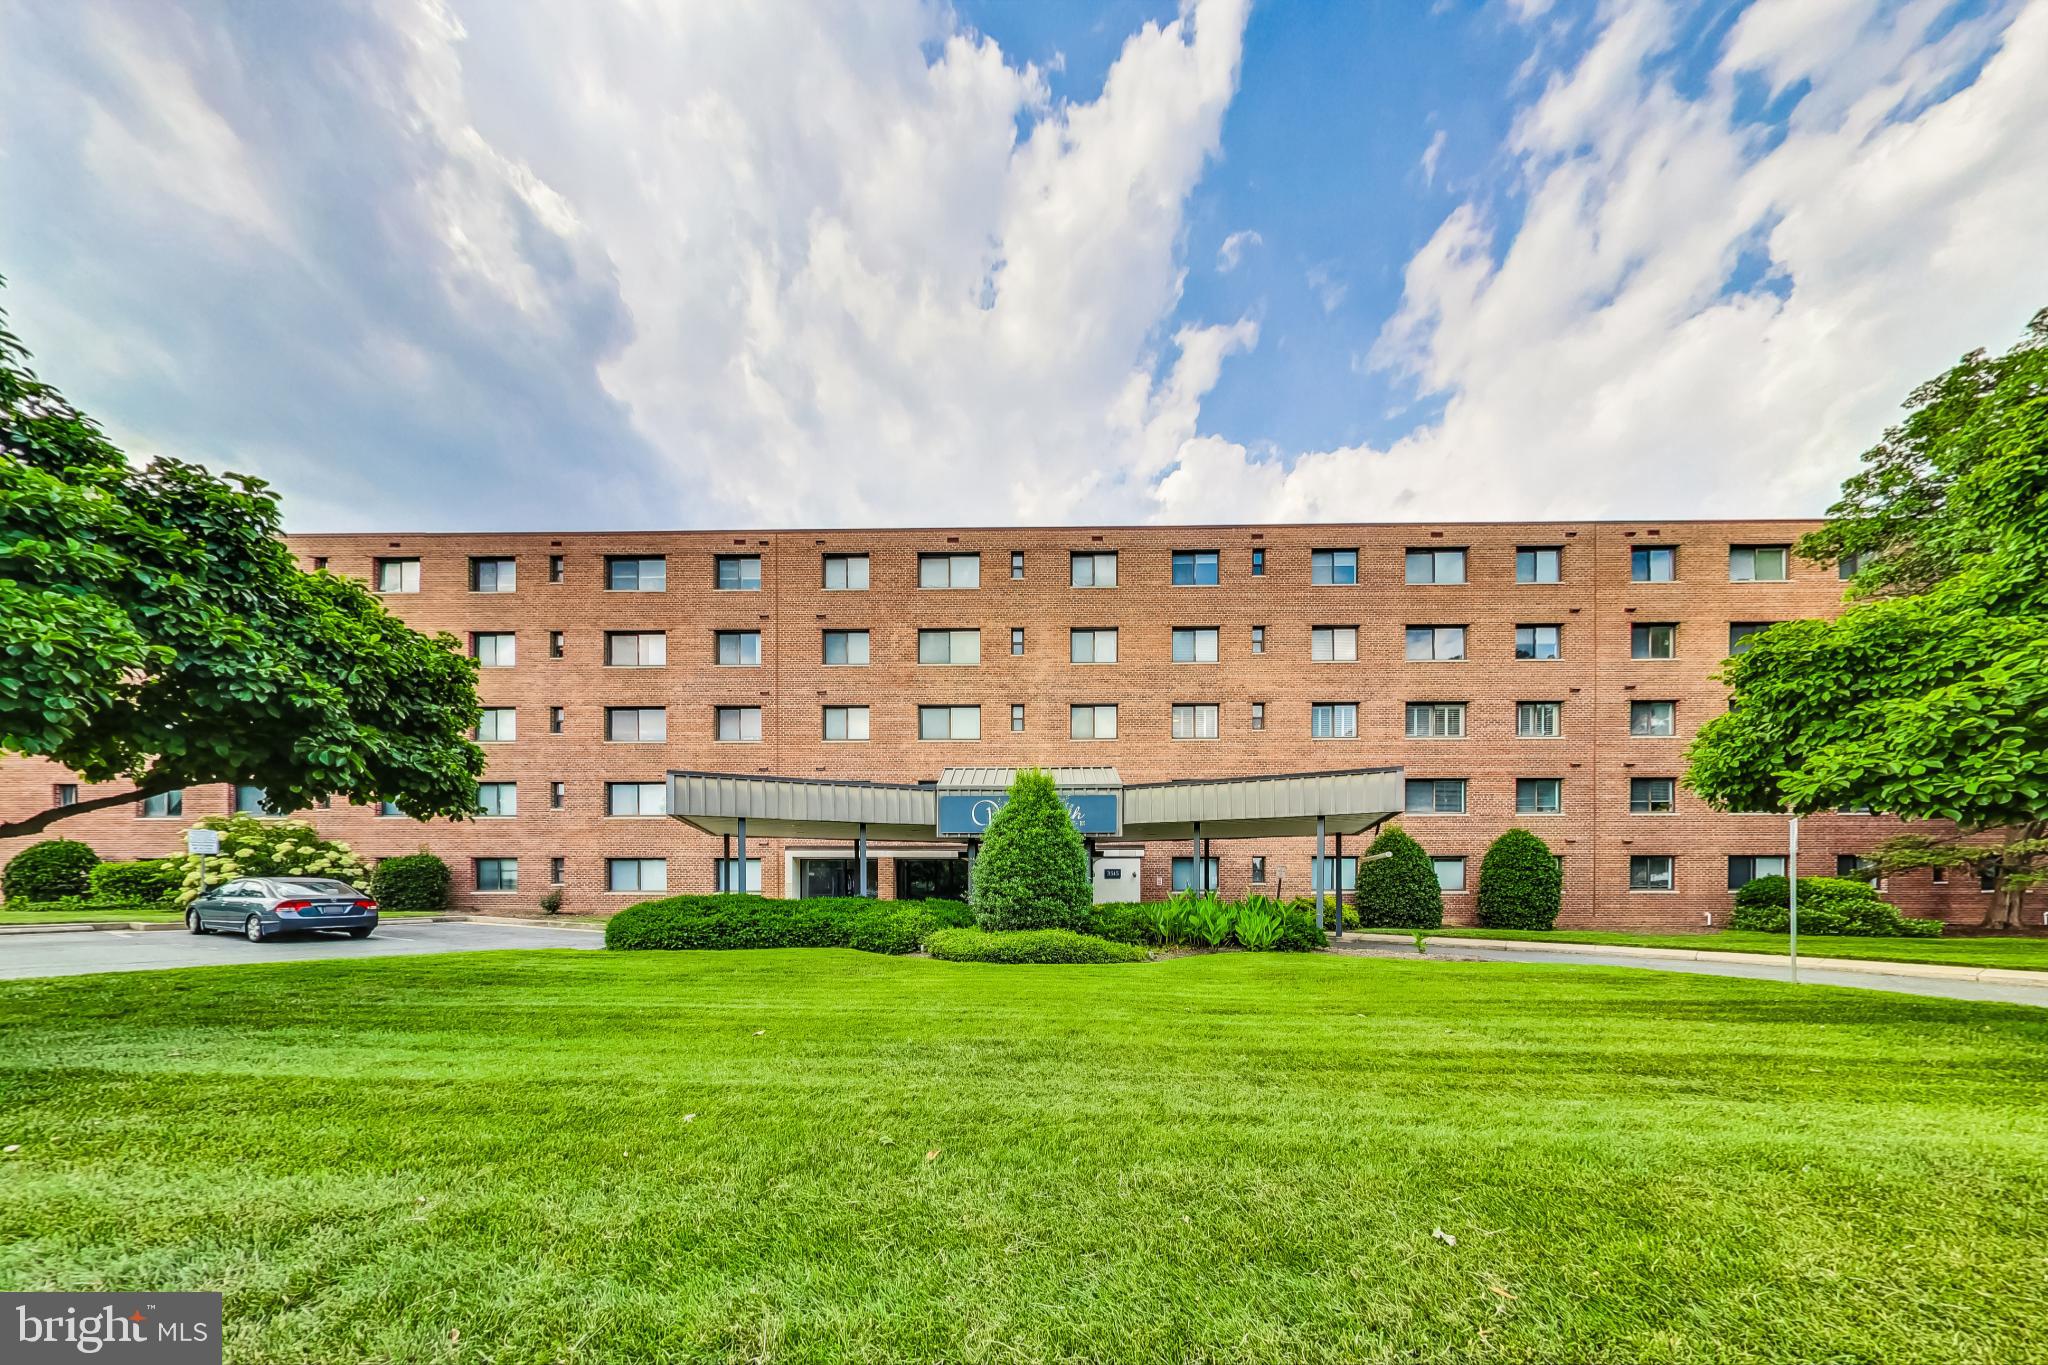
(133, 950)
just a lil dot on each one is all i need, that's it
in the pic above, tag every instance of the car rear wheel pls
(359, 933)
(192, 922)
(252, 929)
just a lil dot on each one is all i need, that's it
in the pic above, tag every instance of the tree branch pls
(42, 820)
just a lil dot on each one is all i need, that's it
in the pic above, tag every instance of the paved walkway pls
(131, 950)
(1872, 976)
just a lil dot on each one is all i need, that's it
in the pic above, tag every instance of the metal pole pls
(1337, 882)
(1317, 879)
(860, 857)
(742, 878)
(1201, 873)
(1792, 889)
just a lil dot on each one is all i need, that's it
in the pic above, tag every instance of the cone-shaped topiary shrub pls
(1400, 892)
(50, 870)
(1520, 883)
(1032, 872)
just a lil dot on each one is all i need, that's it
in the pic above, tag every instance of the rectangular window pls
(846, 573)
(1435, 796)
(1848, 566)
(1258, 715)
(1744, 868)
(1436, 720)
(1653, 719)
(1538, 719)
(636, 649)
(163, 806)
(1853, 865)
(1450, 873)
(1740, 633)
(388, 810)
(726, 874)
(1538, 564)
(1652, 795)
(497, 874)
(1333, 720)
(949, 571)
(497, 799)
(1194, 568)
(847, 723)
(949, 722)
(1091, 722)
(558, 869)
(739, 648)
(555, 720)
(1650, 872)
(64, 794)
(557, 564)
(1436, 566)
(1332, 568)
(1016, 640)
(1536, 642)
(1939, 875)
(1658, 641)
(1092, 569)
(636, 798)
(1653, 564)
(493, 575)
(398, 575)
(1539, 795)
(958, 648)
(558, 795)
(494, 649)
(1016, 563)
(249, 800)
(737, 573)
(1184, 875)
(1758, 563)
(739, 724)
(636, 874)
(1438, 643)
(624, 573)
(1091, 646)
(1259, 571)
(1195, 720)
(1017, 718)
(1333, 644)
(1258, 872)
(1194, 644)
(1345, 880)
(1258, 639)
(557, 642)
(498, 725)
(846, 648)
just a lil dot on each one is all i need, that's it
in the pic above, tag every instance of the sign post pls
(1792, 890)
(202, 842)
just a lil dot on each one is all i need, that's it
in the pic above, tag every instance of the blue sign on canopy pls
(967, 814)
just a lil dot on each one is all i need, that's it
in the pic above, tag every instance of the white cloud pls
(1231, 253)
(1595, 361)
(1432, 154)
(1328, 289)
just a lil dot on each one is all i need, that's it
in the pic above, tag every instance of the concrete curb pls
(2005, 976)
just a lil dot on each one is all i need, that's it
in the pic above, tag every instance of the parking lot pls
(142, 950)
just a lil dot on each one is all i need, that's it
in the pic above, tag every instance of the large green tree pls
(154, 627)
(1928, 697)
(1032, 871)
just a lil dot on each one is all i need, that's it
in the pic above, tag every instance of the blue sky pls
(447, 263)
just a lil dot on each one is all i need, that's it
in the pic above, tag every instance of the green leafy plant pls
(1397, 892)
(50, 870)
(1032, 871)
(1029, 946)
(551, 903)
(410, 881)
(147, 881)
(250, 847)
(1211, 919)
(1122, 922)
(1260, 922)
(1421, 942)
(1520, 883)
(1829, 906)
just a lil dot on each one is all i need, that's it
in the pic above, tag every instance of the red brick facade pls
(1595, 604)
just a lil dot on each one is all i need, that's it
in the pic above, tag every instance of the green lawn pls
(2022, 953)
(820, 1155)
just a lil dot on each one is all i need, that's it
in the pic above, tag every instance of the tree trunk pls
(42, 820)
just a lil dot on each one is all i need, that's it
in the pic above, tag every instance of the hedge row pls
(1028, 946)
(1829, 906)
(148, 881)
(735, 921)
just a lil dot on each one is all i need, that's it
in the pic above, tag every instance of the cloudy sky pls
(434, 264)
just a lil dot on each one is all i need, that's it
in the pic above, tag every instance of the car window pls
(316, 888)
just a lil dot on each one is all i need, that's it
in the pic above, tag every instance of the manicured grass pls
(2021, 953)
(823, 1155)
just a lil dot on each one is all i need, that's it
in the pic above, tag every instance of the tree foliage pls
(252, 847)
(1032, 871)
(1398, 892)
(1928, 697)
(154, 627)
(1520, 883)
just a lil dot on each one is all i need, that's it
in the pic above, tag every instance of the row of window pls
(1089, 645)
(949, 570)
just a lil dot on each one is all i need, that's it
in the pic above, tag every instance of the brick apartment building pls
(1546, 675)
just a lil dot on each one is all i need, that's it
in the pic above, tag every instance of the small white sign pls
(202, 841)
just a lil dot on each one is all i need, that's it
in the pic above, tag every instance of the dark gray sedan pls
(258, 907)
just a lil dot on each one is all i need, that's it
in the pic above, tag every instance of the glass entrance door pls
(931, 879)
(831, 877)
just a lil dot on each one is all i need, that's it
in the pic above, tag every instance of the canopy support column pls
(741, 878)
(1337, 881)
(1318, 877)
(1201, 869)
(860, 858)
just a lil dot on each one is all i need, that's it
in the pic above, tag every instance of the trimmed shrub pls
(250, 847)
(1032, 871)
(1520, 883)
(1020, 946)
(1400, 892)
(735, 921)
(50, 870)
(902, 926)
(1832, 907)
(1765, 891)
(1121, 922)
(1298, 932)
(411, 881)
(147, 881)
